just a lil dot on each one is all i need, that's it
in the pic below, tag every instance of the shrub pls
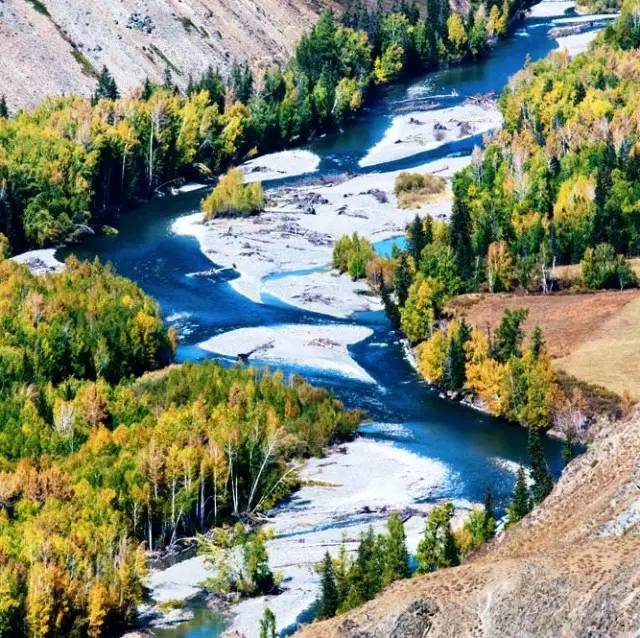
(352, 254)
(231, 198)
(602, 268)
(415, 189)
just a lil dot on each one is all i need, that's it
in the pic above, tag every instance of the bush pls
(414, 189)
(602, 268)
(231, 198)
(352, 254)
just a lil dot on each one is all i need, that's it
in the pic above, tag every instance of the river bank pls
(355, 485)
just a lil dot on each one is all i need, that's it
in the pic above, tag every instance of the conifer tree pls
(537, 342)
(396, 556)
(4, 109)
(489, 522)
(520, 505)
(438, 548)
(268, 624)
(460, 237)
(107, 88)
(402, 279)
(509, 335)
(328, 602)
(417, 239)
(542, 481)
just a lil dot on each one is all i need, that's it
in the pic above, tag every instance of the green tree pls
(520, 504)
(395, 554)
(417, 238)
(540, 474)
(402, 279)
(107, 87)
(4, 109)
(328, 601)
(510, 334)
(460, 232)
(268, 624)
(437, 549)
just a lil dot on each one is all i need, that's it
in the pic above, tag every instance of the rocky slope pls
(50, 47)
(571, 568)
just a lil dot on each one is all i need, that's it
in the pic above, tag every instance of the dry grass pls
(594, 337)
(414, 190)
(610, 357)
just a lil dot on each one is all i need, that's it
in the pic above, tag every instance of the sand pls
(280, 165)
(420, 131)
(287, 239)
(40, 262)
(319, 347)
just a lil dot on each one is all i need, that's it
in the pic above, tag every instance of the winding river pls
(466, 442)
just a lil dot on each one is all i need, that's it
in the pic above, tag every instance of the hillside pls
(50, 47)
(570, 568)
(591, 336)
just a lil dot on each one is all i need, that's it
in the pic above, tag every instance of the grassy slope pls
(594, 337)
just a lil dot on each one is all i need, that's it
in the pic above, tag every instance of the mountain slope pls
(55, 46)
(572, 568)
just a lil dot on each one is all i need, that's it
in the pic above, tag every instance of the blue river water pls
(198, 300)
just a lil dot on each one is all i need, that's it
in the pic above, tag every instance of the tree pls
(510, 334)
(402, 279)
(460, 232)
(520, 504)
(268, 624)
(395, 554)
(417, 238)
(107, 87)
(537, 342)
(4, 109)
(437, 549)
(540, 475)
(328, 601)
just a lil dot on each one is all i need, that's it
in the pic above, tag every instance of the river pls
(403, 411)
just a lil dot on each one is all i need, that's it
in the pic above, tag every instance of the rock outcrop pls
(571, 568)
(49, 47)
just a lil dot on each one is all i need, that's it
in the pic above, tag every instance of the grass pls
(610, 357)
(85, 64)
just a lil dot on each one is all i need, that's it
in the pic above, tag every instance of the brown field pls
(594, 337)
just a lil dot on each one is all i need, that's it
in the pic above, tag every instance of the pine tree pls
(402, 280)
(365, 575)
(107, 88)
(147, 89)
(509, 335)
(268, 624)
(567, 449)
(542, 481)
(520, 505)
(396, 556)
(537, 342)
(417, 239)
(4, 109)
(460, 237)
(489, 522)
(328, 602)
(438, 549)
